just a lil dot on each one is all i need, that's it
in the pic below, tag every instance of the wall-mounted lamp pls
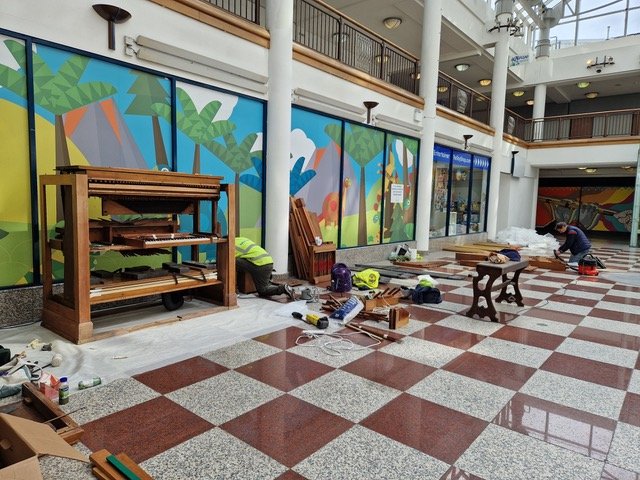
(466, 140)
(600, 64)
(113, 15)
(369, 106)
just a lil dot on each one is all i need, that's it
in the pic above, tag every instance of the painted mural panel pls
(557, 204)
(16, 262)
(399, 189)
(362, 165)
(315, 169)
(221, 134)
(606, 209)
(90, 112)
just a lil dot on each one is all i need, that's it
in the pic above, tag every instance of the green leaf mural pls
(200, 127)
(238, 157)
(298, 179)
(362, 145)
(149, 92)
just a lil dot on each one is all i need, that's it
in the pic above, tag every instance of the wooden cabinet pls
(134, 193)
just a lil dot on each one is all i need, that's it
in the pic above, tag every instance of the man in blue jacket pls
(576, 242)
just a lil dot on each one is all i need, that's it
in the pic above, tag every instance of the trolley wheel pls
(172, 300)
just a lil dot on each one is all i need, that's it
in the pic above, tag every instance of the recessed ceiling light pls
(591, 94)
(591, 170)
(529, 102)
(583, 84)
(485, 82)
(442, 88)
(626, 167)
(518, 93)
(582, 168)
(461, 67)
(392, 22)
(382, 58)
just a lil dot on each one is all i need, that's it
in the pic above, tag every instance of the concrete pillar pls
(280, 26)
(539, 101)
(431, 27)
(498, 94)
(635, 216)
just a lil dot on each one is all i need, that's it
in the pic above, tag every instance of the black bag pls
(511, 254)
(422, 294)
(5, 355)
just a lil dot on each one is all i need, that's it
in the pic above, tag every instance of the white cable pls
(334, 347)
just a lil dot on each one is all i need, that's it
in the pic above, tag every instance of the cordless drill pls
(313, 319)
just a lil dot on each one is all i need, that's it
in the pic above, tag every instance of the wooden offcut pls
(313, 262)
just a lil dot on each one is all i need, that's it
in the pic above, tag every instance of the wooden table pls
(493, 271)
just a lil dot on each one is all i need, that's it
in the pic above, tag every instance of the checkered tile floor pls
(551, 392)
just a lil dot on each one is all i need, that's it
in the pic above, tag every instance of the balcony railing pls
(457, 96)
(247, 9)
(616, 123)
(326, 31)
(323, 29)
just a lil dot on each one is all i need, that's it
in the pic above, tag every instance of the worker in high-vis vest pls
(256, 261)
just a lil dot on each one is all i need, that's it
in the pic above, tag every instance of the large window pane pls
(460, 183)
(601, 28)
(479, 183)
(440, 200)
(633, 22)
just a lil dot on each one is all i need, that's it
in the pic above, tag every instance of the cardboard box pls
(22, 441)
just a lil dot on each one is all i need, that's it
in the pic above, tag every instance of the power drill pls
(313, 319)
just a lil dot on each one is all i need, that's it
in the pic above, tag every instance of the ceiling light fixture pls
(591, 94)
(582, 168)
(382, 58)
(518, 93)
(340, 37)
(626, 167)
(529, 102)
(591, 170)
(442, 88)
(485, 82)
(583, 84)
(392, 23)
(462, 67)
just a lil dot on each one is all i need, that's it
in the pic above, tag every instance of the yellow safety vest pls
(248, 250)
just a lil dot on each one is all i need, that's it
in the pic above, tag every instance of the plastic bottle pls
(63, 391)
(88, 383)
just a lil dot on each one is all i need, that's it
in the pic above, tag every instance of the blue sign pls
(481, 163)
(441, 154)
(462, 159)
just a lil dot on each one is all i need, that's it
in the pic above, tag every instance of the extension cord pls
(315, 332)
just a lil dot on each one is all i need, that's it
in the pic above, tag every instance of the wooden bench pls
(495, 271)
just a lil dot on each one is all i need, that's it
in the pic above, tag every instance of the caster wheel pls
(172, 300)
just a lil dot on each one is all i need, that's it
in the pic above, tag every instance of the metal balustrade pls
(247, 9)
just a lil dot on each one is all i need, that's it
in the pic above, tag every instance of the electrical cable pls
(337, 346)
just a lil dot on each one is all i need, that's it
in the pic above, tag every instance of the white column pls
(534, 200)
(635, 215)
(431, 26)
(539, 101)
(280, 26)
(498, 92)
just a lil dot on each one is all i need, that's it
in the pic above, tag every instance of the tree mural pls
(57, 93)
(149, 92)
(200, 127)
(238, 157)
(362, 145)
(298, 179)
(391, 217)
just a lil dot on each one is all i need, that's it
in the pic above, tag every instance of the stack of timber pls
(549, 263)
(471, 254)
(313, 262)
(116, 467)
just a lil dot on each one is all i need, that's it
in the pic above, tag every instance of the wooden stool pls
(245, 283)
(493, 271)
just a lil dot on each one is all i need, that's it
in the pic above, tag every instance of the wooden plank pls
(471, 256)
(466, 248)
(133, 466)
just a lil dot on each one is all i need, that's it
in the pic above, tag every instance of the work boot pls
(288, 290)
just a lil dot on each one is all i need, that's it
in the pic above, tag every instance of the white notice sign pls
(397, 193)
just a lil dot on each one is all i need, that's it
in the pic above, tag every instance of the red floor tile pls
(283, 339)
(389, 370)
(622, 300)
(365, 340)
(589, 370)
(449, 336)
(571, 300)
(285, 371)
(565, 427)
(454, 473)
(290, 475)
(615, 315)
(536, 288)
(426, 426)
(630, 412)
(491, 370)
(144, 430)
(529, 337)
(287, 429)
(426, 314)
(457, 298)
(555, 316)
(626, 288)
(584, 288)
(178, 375)
(604, 337)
